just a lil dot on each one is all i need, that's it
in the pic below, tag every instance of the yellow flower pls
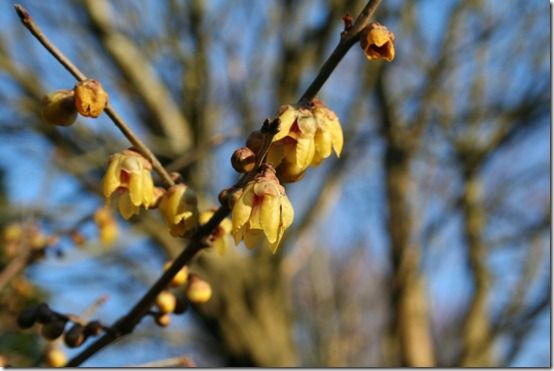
(293, 147)
(179, 209)
(329, 133)
(107, 225)
(262, 212)
(220, 240)
(129, 176)
(377, 42)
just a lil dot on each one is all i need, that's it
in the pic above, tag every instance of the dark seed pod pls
(243, 160)
(54, 329)
(44, 314)
(181, 306)
(93, 328)
(75, 336)
(27, 317)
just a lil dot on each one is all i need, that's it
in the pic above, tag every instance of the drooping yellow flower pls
(328, 136)
(293, 147)
(107, 225)
(377, 42)
(179, 209)
(262, 212)
(129, 177)
(220, 239)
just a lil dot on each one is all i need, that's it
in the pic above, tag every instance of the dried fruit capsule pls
(181, 306)
(27, 317)
(58, 108)
(53, 330)
(163, 320)
(44, 313)
(90, 98)
(75, 336)
(198, 290)
(166, 302)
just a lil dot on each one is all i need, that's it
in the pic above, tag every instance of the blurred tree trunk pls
(249, 312)
(410, 342)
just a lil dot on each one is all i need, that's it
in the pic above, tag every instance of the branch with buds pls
(299, 137)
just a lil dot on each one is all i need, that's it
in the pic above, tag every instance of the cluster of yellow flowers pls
(261, 210)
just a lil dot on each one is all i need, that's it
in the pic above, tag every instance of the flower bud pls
(53, 330)
(75, 336)
(377, 42)
(255, 141)
(166, 302)
(243, 160)
(78, 238)
(90, 98)
(93, 328)
(58, 108)
(163, 320)
(55, 357)
(180, 278)
(198, 290)
(27, 318)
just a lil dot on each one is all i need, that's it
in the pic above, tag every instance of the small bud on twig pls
(377, 42)
(58, 108)
(243, 160)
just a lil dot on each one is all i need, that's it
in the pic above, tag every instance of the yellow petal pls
(242, 208)
(126, 208)
(276, 153)
(148, 188)
(287, 212)
(220, 245)
(336, 133)
(111, 179)
(136, 189)
(307, 123)
(270, 217)
(305, 149)
(323, 143)
(253, 238)
(287, 116)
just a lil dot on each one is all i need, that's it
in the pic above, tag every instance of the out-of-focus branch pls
(139, 72)
(30, 24)
(476, 349)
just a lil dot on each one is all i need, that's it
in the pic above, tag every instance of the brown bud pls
(44, 313)
(93, 328)
(163, 319)
(243, 160)
(78, 238)
(166, 302)
(198, 290)
(90, 98)
(58, 108)
(75, 336)
(377, 42)
(27, 318)
(255, 141)
(181, 306)
(53, 330)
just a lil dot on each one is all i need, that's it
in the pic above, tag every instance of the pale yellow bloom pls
(107, 225)
(377, 42)
(179, 209)
(262, 212)
(129, 177)
(220, 239)
(328, 135)
(293, 147)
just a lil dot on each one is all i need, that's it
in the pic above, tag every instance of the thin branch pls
(348, 38)
(35, 30)
(199, 240)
